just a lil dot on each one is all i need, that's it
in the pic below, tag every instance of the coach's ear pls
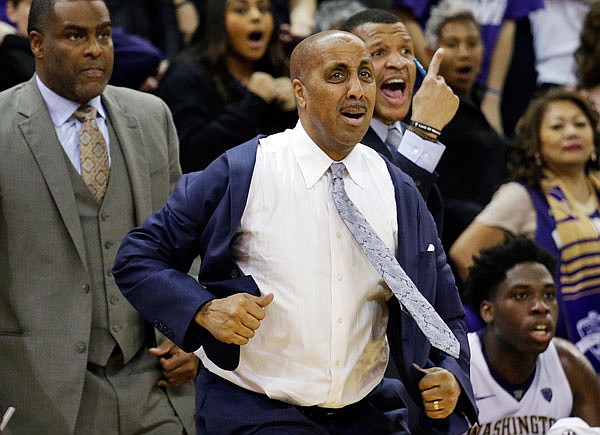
(299, 91)
(36, 42)
(486, 310)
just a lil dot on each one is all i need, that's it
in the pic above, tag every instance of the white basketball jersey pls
(547, 399)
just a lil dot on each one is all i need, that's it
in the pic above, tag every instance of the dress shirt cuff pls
(421, 152)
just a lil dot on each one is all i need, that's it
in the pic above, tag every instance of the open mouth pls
(541, 332)
(394, 90)
(354, 114)
(394, 85)
(464, 72)
(255, 36)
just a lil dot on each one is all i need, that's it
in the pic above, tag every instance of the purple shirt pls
(489, 14)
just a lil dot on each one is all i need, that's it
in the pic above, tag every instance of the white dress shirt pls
(67, 126)
(421, 152)
(323, 339)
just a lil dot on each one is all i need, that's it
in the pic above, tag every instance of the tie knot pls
(337, 169)
(393, 137)
(85, 113)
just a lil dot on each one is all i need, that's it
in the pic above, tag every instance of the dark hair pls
(40, 12)
(522, 161)
(209, 47)
(369, 16)
(490, 267)
(587, 56)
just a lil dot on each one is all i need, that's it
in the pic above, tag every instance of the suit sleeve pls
(152, 263)
(173, 147)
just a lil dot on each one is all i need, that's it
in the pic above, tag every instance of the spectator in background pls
(331, 14)
(520, 373)
(499, 22)
(474, 163)
(587, 56)
(230, 84)
(16, 60)
(154, 20)
(187, 14)
(554, 198)
(555, 50)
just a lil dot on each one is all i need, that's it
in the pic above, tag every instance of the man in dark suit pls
(413, 148)
(276, 254)
(75, 357)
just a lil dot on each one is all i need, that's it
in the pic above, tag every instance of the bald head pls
(309, 51)
(334, 85)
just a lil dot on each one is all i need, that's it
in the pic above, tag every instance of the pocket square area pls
(430, 247)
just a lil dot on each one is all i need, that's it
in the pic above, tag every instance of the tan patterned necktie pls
(93, 152)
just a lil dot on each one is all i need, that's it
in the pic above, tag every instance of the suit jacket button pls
(85, 288)
(234, 273)
(80, 347)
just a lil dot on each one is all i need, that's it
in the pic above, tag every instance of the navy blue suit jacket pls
(200, 219)
(424, 180)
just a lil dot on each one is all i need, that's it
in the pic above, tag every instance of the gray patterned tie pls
(393, 139)
(93, 152)
(384, 262)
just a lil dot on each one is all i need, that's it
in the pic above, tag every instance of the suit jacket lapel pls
(241, 167)
(127, 128)
(37, 128)
(372, 140)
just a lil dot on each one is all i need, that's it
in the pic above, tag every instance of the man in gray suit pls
(75, 357)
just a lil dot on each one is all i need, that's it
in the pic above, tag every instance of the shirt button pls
(337, 362)
(108, 245)
(415, 151)
(426, 156)
(80, 347)
(340, 320)
(85, 288)
(116, 328)
(338, 235)
(339, 277)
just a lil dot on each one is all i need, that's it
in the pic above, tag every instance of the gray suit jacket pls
(45, 312)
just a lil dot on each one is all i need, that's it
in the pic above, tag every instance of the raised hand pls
(435, 104)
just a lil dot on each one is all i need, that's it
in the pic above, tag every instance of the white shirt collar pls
(62, 109)
(314, 162)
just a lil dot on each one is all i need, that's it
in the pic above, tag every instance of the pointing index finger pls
(436, 60)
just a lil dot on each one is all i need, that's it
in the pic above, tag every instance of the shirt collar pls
(314, 162)
(62, 109)
(381, 129)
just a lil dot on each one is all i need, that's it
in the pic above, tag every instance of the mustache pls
(355, 106)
